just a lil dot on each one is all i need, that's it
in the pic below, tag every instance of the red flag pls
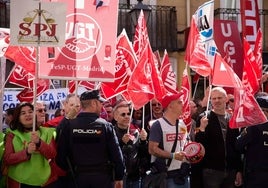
(195, 55)
(249, 78)
(158, 86)
(20, 77)
(141, 36)
(223, 74)
(196, 78)
(125, 62)
(250, 20)
(258, 55)
(88, 85)
(72, 85)
(185, 88)
(247, 112)
(140, 87)
(27, 94)
(168, 75)
(23, 56)
(158, 58)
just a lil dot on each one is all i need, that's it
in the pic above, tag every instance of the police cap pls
(94, 94)
(262, 101)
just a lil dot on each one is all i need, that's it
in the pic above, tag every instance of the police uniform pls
(253, 142)
(88, 148)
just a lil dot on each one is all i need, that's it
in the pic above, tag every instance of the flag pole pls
(2, 80)
(36, 68)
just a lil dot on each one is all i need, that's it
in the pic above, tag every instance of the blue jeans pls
(171, 184)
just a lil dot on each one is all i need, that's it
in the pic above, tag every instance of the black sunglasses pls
(41, 110)
(231, 100)
(124, 114)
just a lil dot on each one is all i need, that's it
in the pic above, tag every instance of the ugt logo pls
(83, 37)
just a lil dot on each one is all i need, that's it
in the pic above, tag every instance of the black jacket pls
(218, 156)
(90, 144)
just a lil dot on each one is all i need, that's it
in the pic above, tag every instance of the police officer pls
(253, 142)
(88, 148)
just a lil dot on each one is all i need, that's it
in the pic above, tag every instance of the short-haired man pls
(221, 165)
(88, 147)
(166, 140)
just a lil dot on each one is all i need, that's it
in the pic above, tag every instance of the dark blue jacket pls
(90, 144)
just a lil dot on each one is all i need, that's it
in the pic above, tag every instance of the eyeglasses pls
(41, 110)
(231, 100)
(124, 114)
(156, 104)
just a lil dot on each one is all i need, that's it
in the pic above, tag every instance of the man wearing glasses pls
(133, 144)
(40, 113)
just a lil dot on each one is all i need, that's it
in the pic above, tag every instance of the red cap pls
(171, 97)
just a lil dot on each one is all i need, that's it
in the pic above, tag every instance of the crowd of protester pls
(92, 142)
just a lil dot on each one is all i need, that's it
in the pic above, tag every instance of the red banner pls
(227, 39)
(89, 50)
(250, 20)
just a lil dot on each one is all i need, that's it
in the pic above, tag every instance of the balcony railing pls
(4, 14)
(161, 26)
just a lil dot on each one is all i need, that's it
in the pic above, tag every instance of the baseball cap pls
(171, 97)
(94, 94)
(262, 101)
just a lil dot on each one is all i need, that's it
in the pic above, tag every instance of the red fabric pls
(72, 85)
(247, 111)
(249, 14)
(185, 89)
(23, 56)
(195, 52)
(223, 74)
(27, 94)
(19, 76)
(126, 60)
(158, 85)
(53, 122)
(249, 74)
(169, 98)
(140, 87)
(168, 75)
(258, 55)
(141, 37)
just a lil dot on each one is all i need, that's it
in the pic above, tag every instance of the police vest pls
(88, 145)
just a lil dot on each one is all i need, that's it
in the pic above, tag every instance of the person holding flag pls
(28, 154)
(221, 165)
(134, 145)
(166, 140)
(253, 142)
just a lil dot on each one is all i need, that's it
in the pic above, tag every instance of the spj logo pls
(38, 28)
(83, 37)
